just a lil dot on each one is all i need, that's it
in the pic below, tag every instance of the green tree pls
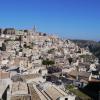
(48, 62)
(51, 62)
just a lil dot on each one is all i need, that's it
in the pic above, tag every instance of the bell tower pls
(34, 29)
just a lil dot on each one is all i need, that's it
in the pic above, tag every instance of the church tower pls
(34, 29)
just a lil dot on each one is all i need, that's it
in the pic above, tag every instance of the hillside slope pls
(93, 46)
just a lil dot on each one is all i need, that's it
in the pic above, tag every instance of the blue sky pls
(79, 19)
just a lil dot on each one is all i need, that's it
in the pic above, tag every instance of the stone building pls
(9, 31)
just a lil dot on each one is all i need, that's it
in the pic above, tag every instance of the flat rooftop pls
(19, 88)
(30, 76)
(34, 94)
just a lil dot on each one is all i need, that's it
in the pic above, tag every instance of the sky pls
(75, 19)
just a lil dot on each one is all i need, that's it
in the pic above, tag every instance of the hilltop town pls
(39, 66)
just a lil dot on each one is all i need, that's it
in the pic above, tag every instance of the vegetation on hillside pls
(71, 88)
(93, 46)
(48, 62)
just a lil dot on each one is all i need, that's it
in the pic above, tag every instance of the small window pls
(24, 36)
(66, 98)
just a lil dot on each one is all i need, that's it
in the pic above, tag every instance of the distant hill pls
(93, 46)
